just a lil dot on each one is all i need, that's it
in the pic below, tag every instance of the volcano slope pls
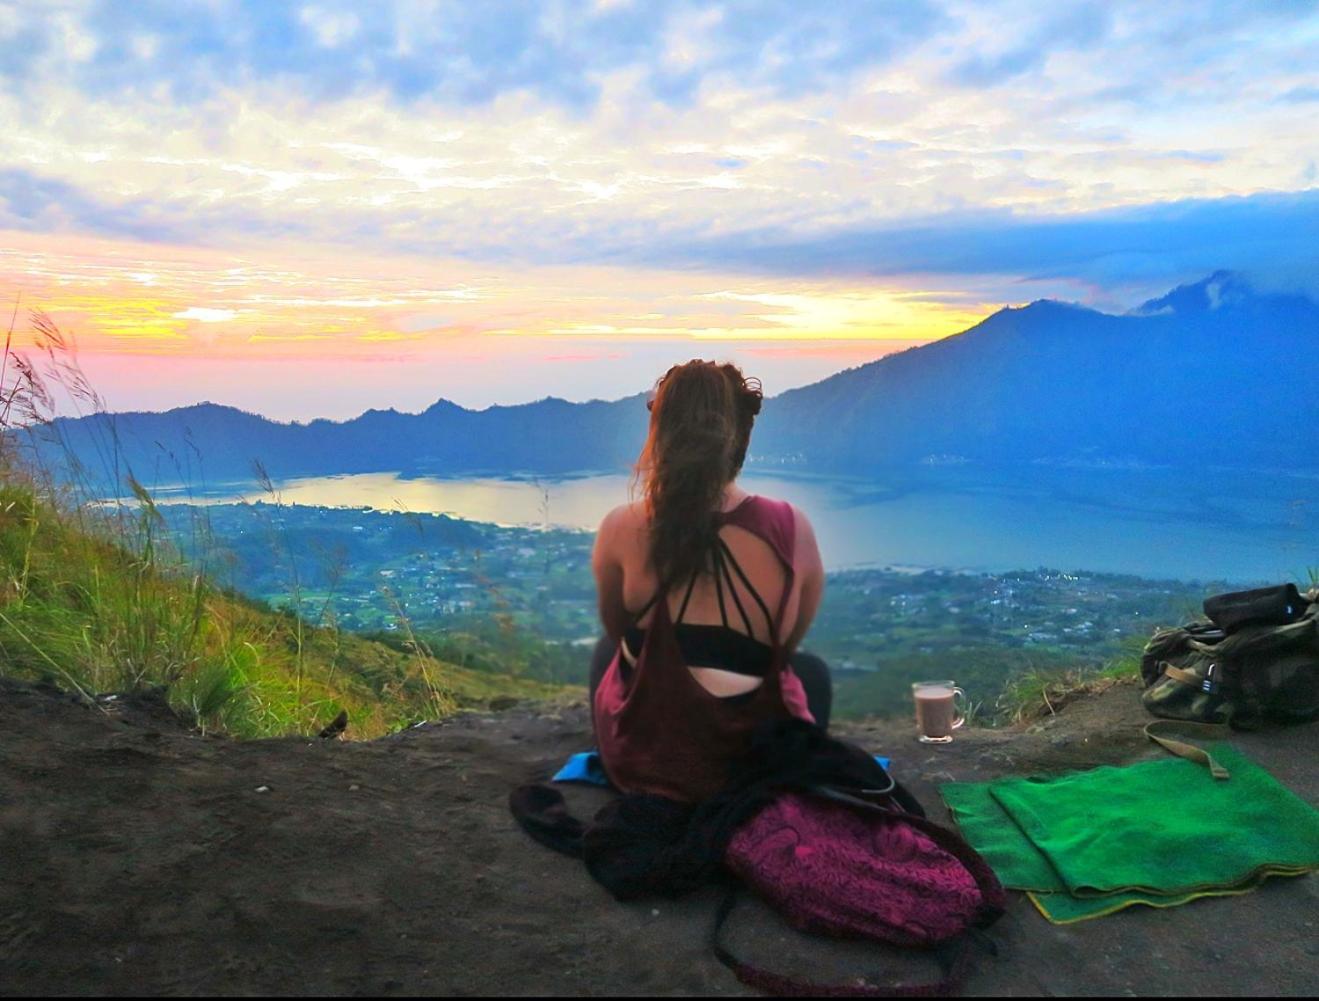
(138, 857)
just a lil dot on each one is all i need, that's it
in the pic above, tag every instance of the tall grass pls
(441, 697)
(95, 597)
(1037, 693)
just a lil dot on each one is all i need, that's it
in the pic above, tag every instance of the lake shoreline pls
(1142, 522)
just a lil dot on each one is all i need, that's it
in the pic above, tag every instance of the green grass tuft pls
(95, 598)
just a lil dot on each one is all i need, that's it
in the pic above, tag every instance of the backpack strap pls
(1181, 674)
(1192, 752)
(953, 957)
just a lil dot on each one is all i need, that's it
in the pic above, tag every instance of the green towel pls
(1158, 833)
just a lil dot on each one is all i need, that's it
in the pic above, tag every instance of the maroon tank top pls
(658, 729)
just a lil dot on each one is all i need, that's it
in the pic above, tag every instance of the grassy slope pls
(94, 603)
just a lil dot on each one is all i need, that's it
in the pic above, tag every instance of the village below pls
(520, 601)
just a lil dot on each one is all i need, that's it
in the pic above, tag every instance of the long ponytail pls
(700, 428)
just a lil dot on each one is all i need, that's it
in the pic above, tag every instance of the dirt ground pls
(137, 857)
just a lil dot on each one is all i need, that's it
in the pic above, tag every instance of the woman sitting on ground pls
(705, 592)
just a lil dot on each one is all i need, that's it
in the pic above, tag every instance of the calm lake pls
(1220, 525)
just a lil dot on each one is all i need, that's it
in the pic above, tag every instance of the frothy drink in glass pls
(936, 710)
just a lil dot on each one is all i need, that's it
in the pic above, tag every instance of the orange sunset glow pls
(230, 204)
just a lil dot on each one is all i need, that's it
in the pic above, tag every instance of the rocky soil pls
(138, 857)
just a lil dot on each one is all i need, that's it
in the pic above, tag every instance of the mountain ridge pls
(1054, 379)
(1149, 307)
(1208, 373)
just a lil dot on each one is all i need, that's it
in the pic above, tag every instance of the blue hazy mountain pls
(1210, 373)
(209, 443)
(1213, 373)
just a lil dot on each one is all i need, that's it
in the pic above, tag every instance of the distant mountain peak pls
(1053, 306)
(441, 406)
(1220, 289)
(205, 405)
(207, 408)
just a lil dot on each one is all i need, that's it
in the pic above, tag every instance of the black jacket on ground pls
(648, 846)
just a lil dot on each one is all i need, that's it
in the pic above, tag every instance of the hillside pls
(1211, 373)
(95, 601)
(143, 858)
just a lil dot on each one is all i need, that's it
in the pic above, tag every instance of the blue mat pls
(584, 766)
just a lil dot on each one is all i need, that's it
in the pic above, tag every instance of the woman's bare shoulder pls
(624, 521)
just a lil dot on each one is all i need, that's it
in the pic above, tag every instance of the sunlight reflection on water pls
(1123, 524)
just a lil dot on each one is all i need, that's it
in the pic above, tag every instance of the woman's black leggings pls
(813, 672)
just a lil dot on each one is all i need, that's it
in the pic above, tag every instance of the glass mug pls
(937, 711)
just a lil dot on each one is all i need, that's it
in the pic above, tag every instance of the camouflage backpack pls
(1258, 660)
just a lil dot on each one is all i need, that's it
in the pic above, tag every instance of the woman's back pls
(704, 589)
(730, 610)
(668, 726)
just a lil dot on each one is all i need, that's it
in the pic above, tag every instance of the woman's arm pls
(608, 570)
(810, 572)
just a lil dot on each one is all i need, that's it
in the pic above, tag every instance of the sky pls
(313, 209)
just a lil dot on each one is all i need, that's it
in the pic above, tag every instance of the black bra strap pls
(686, 598)
(722, 557)
(722, 568)
(719, 570)
(769, 619)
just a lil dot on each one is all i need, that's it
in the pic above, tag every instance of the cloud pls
(1263, 233)
(1300, 95)
(1077, 26)
(1145, 245)
(204, 314)
(767, 136)
(459, 52)
(32, 202)
(331, 28)
(29, 201)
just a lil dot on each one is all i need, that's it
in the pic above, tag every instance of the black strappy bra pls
(718, 646)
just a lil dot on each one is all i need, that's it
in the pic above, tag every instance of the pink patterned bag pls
(838, 865)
